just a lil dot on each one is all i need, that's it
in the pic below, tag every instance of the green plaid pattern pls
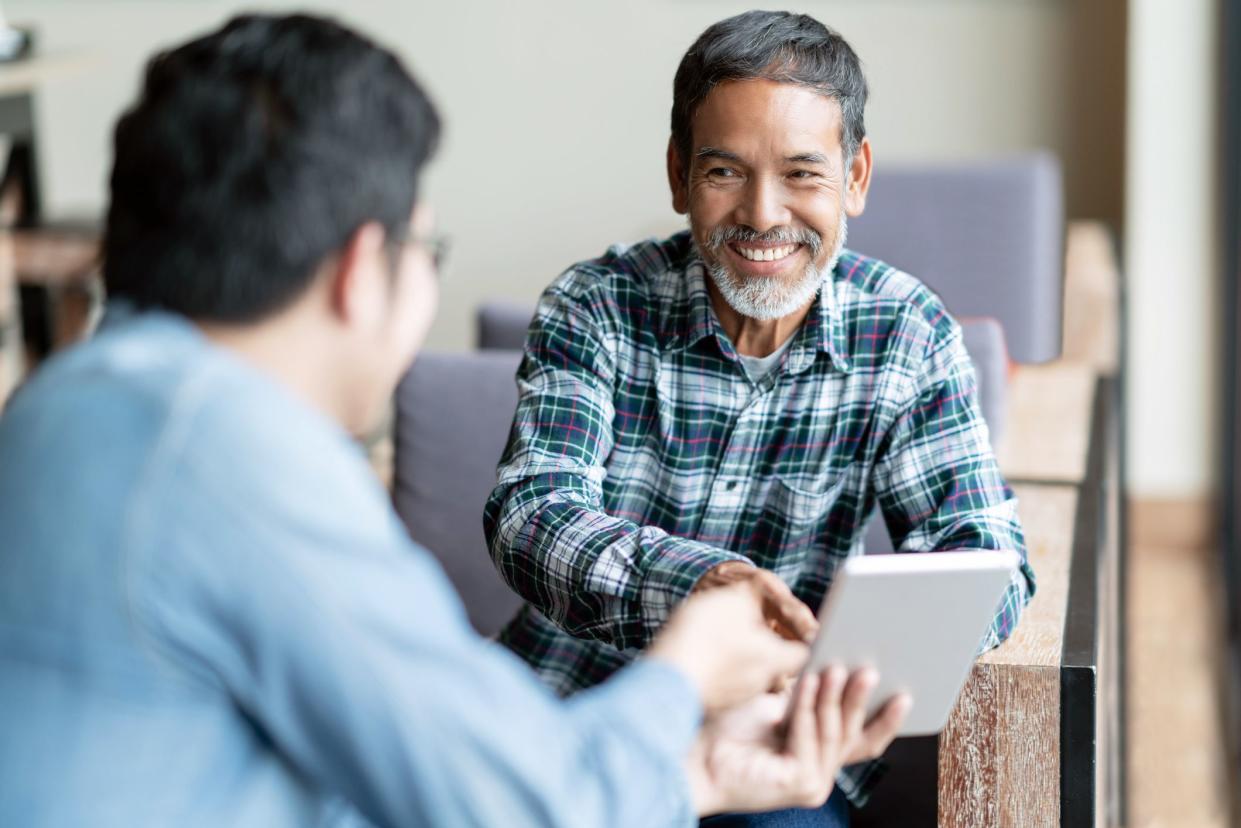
(641, 455)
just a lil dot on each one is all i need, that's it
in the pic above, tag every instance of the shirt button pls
(730, 485)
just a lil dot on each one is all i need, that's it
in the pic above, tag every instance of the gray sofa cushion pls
(453, 413)
(988, 349)
(988, 237)
(502, 324)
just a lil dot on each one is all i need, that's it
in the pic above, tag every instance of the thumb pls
(783, 657)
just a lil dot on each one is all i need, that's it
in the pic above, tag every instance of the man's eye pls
(721, 172)
(803, 174)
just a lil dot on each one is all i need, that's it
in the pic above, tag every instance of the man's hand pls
(744, 760)
(721, 642)
(784, 612)
(868, 740)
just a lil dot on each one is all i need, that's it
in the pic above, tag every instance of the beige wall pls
(557, 114)
(557, 111)
(1170, 247)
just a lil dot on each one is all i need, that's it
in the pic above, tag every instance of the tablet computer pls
(918, 618)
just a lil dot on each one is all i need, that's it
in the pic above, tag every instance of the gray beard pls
(767, 299)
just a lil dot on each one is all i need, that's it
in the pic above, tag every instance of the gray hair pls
(777, 46)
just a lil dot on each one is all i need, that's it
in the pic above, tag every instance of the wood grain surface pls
(1048, 429)
(1091, 298)
(999, 756)
(1048, 516)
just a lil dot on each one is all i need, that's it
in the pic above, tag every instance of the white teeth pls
(769, 254)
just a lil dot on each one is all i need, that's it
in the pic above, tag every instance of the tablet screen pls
(918, 619)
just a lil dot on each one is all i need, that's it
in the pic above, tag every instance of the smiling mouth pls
(764, 253)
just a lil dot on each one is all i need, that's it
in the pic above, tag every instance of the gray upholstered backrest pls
(502, 324)
(988, 237)
(453, 413)
(984, 340)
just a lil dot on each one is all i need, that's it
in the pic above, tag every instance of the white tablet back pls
(917, 618)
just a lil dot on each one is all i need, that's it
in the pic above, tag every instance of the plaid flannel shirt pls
(642, 455)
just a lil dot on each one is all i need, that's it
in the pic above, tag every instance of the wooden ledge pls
(1048, 514)
(1048, 432)
(999, 756)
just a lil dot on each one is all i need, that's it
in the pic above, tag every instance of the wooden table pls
(50, 312)
(1048, 435)
(19, 81)
(1035, 738)
(999, 757)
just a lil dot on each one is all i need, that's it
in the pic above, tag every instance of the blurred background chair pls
(988, 237)
(453, 413)
(501, 324)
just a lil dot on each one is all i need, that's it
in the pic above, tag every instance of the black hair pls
(252, 154)
(770, 45)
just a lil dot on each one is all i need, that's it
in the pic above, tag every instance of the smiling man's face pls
(768, 192)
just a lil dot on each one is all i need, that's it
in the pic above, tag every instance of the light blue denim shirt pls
(210, 615)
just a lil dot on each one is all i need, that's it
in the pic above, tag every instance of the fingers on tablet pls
(856, 696)
(882, 729)
(830, 694)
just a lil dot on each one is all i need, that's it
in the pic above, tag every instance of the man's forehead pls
(790, 120)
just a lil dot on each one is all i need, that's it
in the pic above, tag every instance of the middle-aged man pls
(209, 614)
(731, 403)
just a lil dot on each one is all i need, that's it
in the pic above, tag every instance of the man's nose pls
(762, 205)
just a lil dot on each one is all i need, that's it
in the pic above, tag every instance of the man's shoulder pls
(627, 271)
(152, 393)
(79, 440)
(868, 287)
(624, 296)
(114, 390)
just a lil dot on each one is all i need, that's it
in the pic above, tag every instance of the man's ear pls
(358, 276)
(857, 180)
(677, 178)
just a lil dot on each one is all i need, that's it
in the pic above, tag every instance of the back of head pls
(777, 46)
(251, 155)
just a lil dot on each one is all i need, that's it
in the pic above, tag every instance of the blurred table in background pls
(12, 350)
(50, 288)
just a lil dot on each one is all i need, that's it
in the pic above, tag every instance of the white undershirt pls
(757, 368)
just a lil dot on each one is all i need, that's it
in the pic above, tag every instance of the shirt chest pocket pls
(797, 518)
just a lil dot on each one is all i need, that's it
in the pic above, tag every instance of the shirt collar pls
(692, 319)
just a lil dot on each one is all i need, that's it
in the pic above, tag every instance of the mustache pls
(721, 236)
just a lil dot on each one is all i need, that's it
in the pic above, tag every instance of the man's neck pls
(284, 350)
(756, 337)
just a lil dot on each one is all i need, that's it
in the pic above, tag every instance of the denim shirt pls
(210, 615)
